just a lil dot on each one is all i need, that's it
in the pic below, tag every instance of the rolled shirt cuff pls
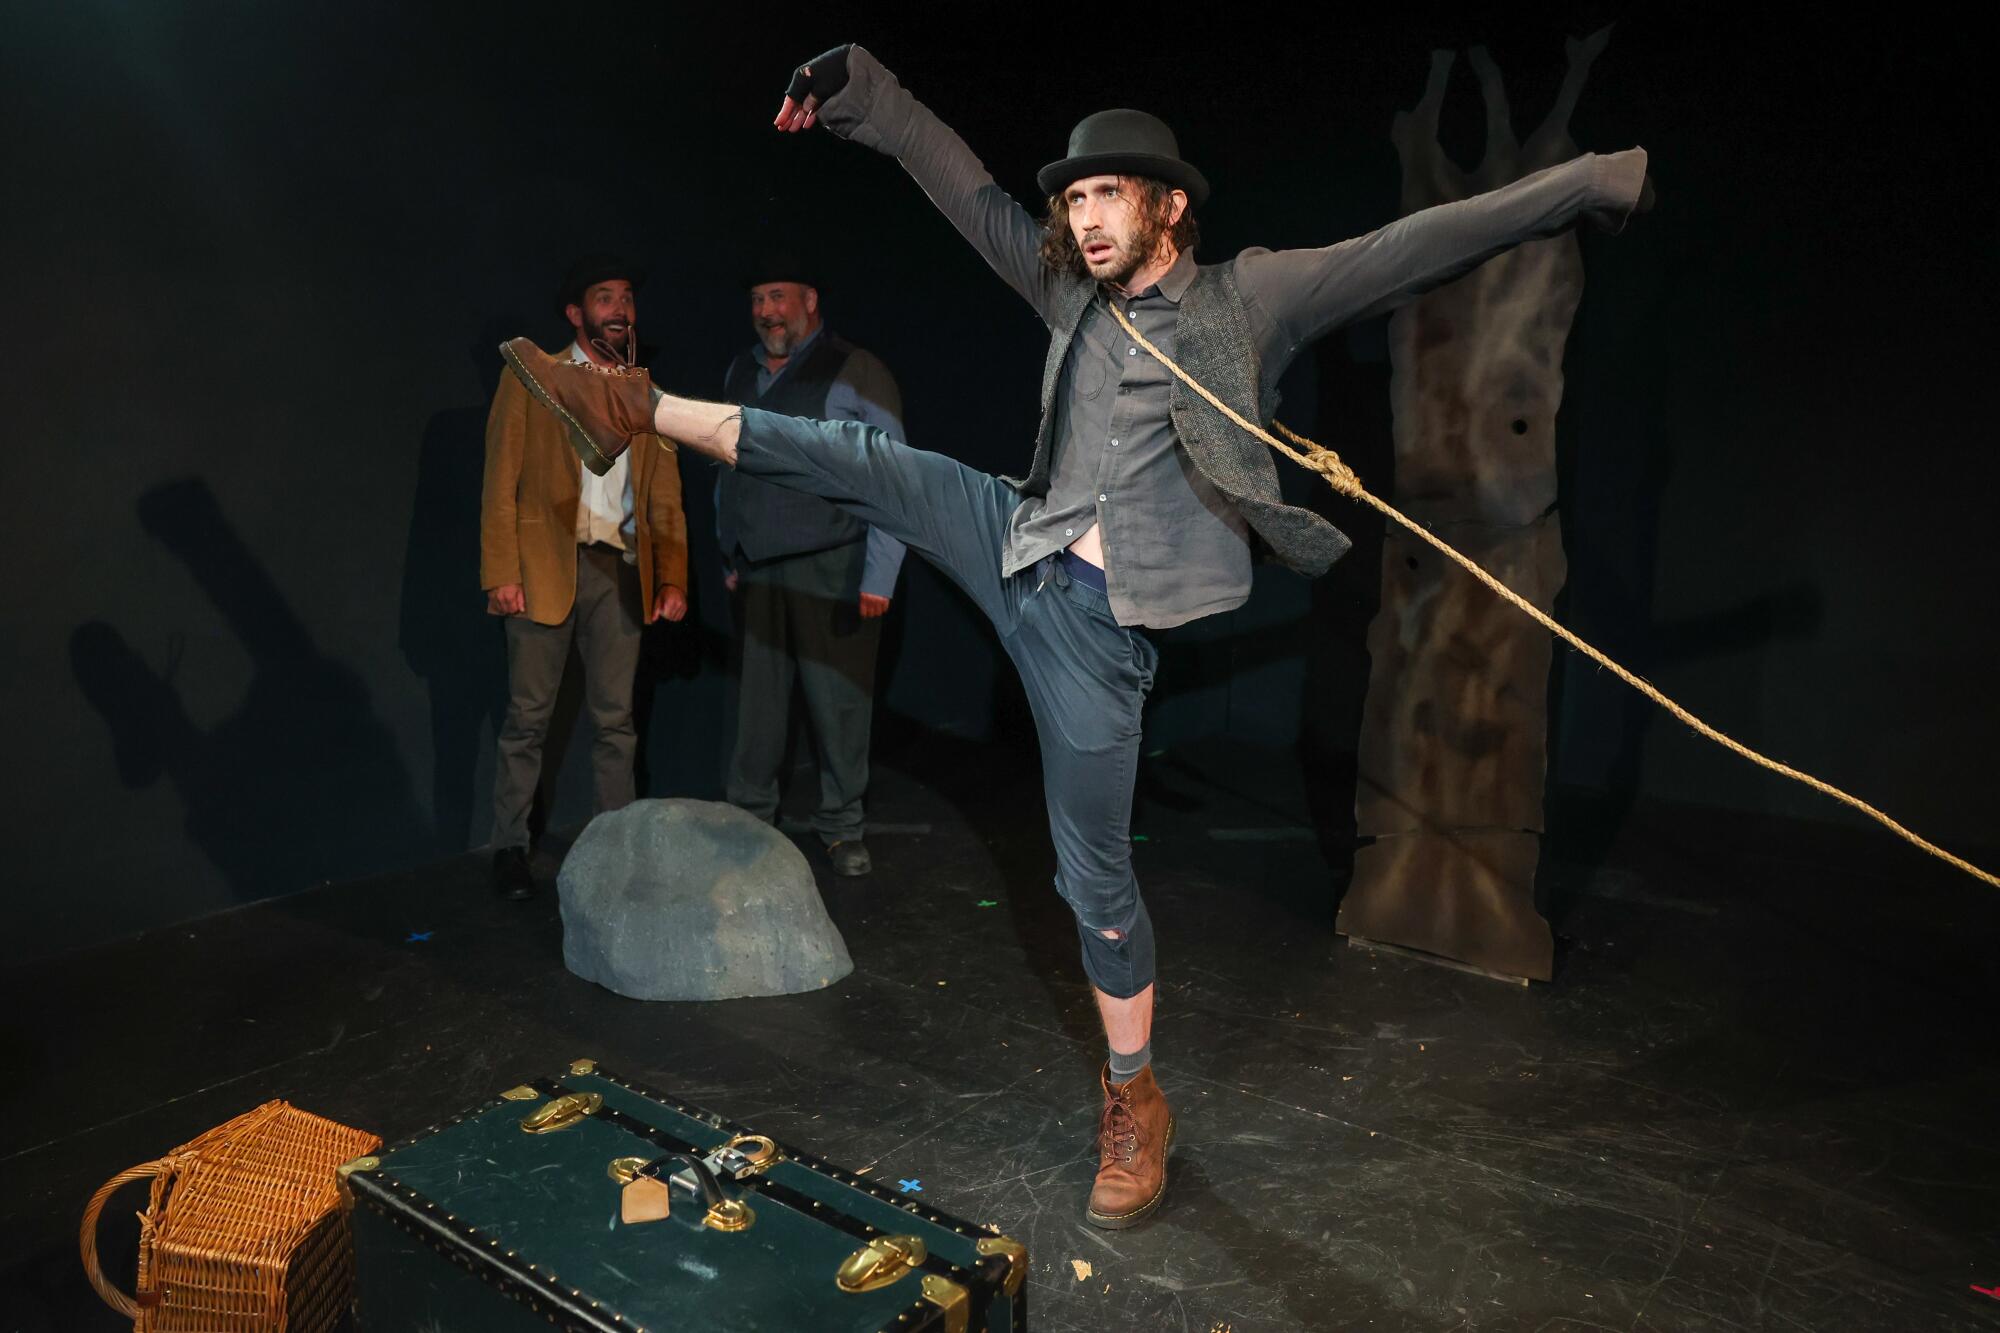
(1621, 178)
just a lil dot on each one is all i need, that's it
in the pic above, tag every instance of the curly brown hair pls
(1059, 249)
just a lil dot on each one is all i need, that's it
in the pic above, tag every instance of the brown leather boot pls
(1133, 1137)
(602, 409)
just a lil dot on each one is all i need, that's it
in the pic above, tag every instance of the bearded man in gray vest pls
(812, 581)
(1143, 503)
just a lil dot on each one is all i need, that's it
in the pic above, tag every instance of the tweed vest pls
(759, 519)
(1212, 343)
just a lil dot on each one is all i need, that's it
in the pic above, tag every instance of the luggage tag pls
(642, 1196)
(645, 1199)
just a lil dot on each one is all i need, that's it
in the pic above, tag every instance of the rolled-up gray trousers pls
(1086, 675)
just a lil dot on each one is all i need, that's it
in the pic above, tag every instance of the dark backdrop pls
(259, 256)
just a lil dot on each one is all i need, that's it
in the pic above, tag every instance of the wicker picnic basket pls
(244, 1232)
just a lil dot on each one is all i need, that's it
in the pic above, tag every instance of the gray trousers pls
(798, 619)
(1086, 675)
(604, 625)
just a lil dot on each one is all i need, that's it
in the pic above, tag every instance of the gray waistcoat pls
(765, 521)
(1213, 344)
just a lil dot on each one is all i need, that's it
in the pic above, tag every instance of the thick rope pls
(1317, 458)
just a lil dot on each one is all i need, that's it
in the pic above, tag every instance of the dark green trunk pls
(481, 1227)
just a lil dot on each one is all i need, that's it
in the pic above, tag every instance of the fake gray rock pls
(694, 900)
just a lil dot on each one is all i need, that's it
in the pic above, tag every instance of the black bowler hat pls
(1123, 143)
(778, 266)
(592, 269)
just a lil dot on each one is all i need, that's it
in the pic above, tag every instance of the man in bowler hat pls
(1143, 505)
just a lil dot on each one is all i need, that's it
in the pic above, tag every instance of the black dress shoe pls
(850, 857)
(511, 878)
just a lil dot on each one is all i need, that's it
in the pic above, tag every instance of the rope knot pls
(1338, 475)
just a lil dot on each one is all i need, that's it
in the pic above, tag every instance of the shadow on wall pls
(445, 635)
(302, 783)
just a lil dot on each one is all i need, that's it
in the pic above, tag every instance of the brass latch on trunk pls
(563, 1112)
(880, 1262)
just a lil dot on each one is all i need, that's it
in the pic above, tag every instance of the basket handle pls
(87, 1235)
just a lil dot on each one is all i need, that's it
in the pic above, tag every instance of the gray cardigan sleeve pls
(876, 111)
(1307, 293)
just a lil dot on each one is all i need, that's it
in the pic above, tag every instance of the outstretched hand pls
(813, 83)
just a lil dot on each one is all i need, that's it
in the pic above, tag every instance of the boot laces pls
(1118, 1130)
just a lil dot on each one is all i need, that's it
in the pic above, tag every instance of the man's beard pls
(595, 334)
(780, 340)
(1131, 256)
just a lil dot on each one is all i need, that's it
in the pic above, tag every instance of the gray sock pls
(1125, 1068)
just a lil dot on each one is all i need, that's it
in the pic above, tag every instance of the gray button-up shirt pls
(1174, 548)
(1116, 462)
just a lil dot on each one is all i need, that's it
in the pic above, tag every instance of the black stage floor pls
(1761, 1093)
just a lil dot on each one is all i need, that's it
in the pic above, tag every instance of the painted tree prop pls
(1453, 751)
